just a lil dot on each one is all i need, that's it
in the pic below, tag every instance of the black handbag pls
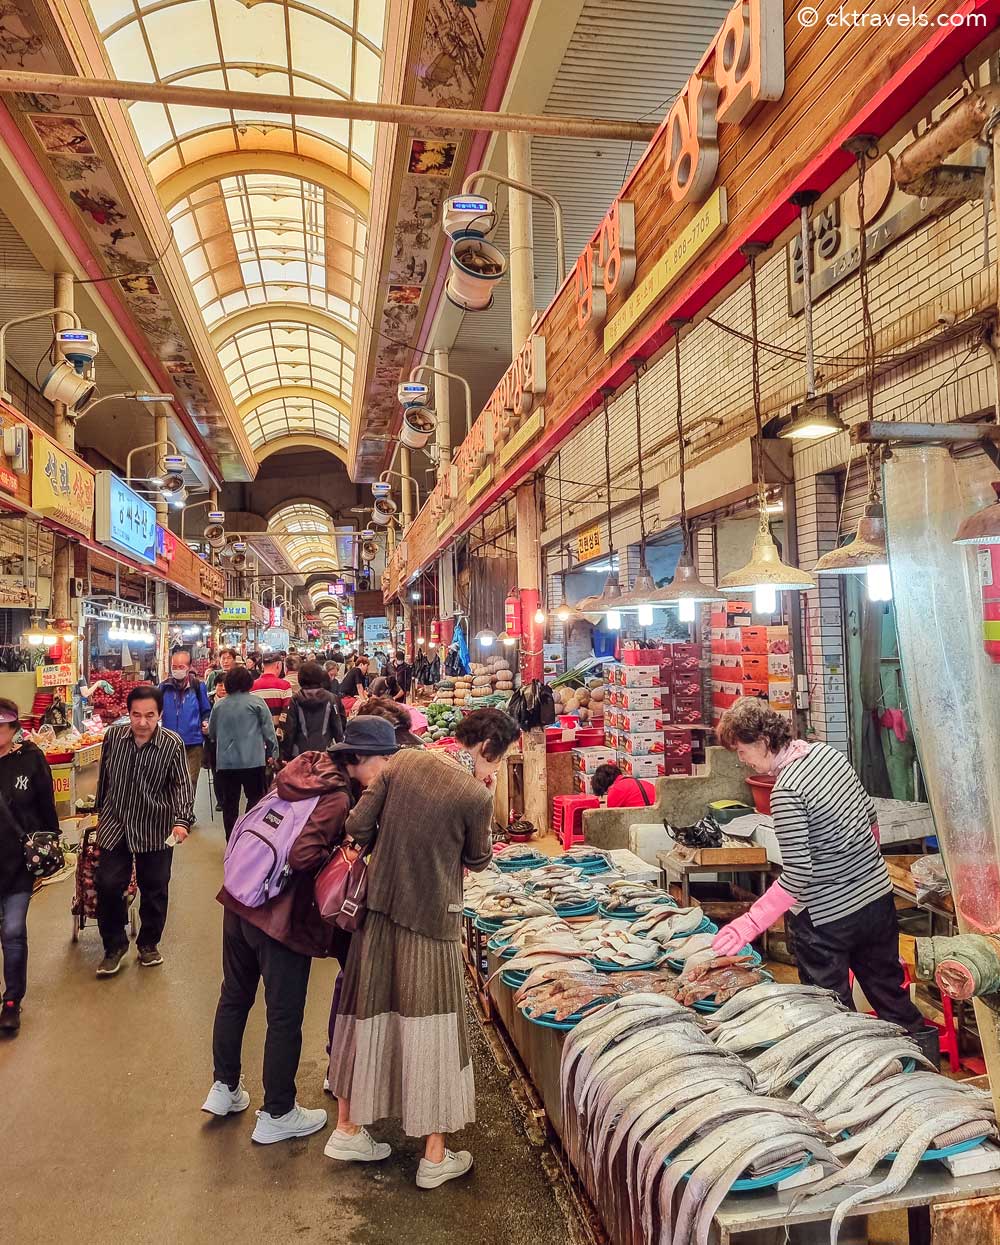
(43, 853)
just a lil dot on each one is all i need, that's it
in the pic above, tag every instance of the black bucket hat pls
(367, 736)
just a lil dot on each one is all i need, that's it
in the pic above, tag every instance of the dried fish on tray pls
(648, 1108)
(666, 924)
(712, 982)
(564, 996)
(774, 1012)
(627, 900)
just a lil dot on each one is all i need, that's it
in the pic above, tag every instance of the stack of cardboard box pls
(749, 660)
(653, 699)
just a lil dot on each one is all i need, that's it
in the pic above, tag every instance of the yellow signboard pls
(62, 487)
(712, 218)
(588, 543)
(478, 484)
(524, 436)
(54, 676)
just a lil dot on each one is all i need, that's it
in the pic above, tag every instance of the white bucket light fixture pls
(765, 573)
(418, 426)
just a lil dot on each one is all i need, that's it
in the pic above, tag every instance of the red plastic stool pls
(567, 816)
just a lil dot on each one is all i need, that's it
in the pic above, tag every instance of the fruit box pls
(637, 676)
(639, 699)
(753, 639)
(586, 760)
(687, 685)
(640, 721)
(641, 766)
(647, 743)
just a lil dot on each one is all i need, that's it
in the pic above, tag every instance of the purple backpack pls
(255, 867)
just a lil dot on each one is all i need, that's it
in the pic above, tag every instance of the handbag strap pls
(642, 791)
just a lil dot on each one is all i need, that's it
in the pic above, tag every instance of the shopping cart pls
(84, 906)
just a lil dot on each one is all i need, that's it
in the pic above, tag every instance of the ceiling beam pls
(308, 442)
(192, 177)
(296, 313)
(290, 392)
(69, 86)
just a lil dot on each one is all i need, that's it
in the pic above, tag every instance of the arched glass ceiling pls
(269, 237)
(309, 536)
(276, 353)
(249, 239)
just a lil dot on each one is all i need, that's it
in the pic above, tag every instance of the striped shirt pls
(142, 793)
(823, 820)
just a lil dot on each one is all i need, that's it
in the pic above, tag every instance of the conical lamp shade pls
(866, 549)
(766, 570)
(642, 592)
(608, 602)
(686, 586)
(983, 527)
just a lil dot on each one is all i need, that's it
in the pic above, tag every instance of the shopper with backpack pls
(272, 928)
(315, 717)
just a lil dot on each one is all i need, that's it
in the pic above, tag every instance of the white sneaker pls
(359, 1147)
(430, 1175)
(222, 1100)
(299, 1122)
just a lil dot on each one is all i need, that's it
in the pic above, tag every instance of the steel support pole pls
(406, 485)
(522, 306)
(442, 405)
(162, 517)
(65, 431)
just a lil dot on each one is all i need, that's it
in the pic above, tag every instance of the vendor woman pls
(834, 885)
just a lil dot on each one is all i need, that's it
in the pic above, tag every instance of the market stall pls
(697, 1099)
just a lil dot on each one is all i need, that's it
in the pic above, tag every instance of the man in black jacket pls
(27, 805)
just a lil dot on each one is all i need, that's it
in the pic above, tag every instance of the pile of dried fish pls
(589, 858)
(635, 897)
(612, 942)
(511, 905)
(717, 979)
(901, 1118)
(664, 924)
(560, 993)
(648, 1099)
(764, 1014)
(563, 887)
(688, 952)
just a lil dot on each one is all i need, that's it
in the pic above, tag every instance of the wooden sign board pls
(766, 113)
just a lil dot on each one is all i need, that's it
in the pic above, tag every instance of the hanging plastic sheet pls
(952, 688)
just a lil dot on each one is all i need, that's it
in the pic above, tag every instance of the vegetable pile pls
(442, 720)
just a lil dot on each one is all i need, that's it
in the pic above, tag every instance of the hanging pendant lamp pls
(642, 595)
(609, 603)
(765, 574)
(983, 527)
(685, 587)
(866, 552)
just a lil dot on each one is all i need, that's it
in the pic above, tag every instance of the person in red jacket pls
(622, 792)
(277, 943)
(275, 691)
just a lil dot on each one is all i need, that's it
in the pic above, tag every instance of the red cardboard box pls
(675, 769)
(639, 699)
(753, 639)
(778, 640)
(687, 712)
(641, 766)
(648, 743)
(755, 690)
(686, 685)
(679, 750)
(755, 667)
(641, 657)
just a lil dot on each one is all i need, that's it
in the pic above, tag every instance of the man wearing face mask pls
(186, 710)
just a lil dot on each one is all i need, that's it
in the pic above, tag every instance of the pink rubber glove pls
(775, 902)
(877, 834)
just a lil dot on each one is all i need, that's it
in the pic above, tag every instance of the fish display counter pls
(657, 1079)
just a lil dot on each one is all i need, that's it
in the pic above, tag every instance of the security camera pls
(64, 384)
(78, 346)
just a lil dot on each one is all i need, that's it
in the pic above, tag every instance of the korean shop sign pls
(62, 487)
(125, 521)
(235, 611)
(589, 543)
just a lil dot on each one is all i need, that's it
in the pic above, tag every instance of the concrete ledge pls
(681, 801)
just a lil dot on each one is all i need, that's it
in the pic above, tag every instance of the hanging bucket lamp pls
(642, 595)
(983, 527)
(765, 575)
(609, 603)
(686, 590)
(866, 552)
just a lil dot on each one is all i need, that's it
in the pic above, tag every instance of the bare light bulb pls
(645, 615)
(614, 620)
(539, 616)
(686, 610)
(562, 613)
(486, 641)
(765, 599)
(879, 583)
(421, 639)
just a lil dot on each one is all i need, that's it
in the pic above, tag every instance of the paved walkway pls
(102, 1139)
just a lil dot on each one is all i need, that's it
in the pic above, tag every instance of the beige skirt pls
(401, 1043)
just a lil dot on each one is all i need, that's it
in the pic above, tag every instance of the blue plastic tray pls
(524, 862)
(513, 979)
(630, 914)
(587, 909)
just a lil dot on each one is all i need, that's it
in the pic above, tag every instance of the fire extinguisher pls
(512, 613)
(435, 631)
(989, 579)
